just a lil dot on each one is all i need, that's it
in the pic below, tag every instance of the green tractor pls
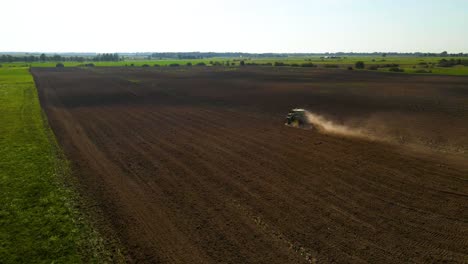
(297, 118)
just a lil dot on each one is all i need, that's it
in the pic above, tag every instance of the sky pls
(257, 26)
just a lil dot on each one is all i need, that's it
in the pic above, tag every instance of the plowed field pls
(194, 165)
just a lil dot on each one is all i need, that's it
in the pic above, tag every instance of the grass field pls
(37, 221)
(408, 64)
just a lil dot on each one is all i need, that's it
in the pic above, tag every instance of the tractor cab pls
(296, 117)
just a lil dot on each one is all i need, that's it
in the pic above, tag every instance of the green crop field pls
(38, 222)
(412, 65)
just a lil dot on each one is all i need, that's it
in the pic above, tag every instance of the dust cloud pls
(325, 125)
(391, 128)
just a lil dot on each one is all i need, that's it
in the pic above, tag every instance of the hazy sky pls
(235, 25)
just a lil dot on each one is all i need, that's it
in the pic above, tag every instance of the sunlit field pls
(413, 65)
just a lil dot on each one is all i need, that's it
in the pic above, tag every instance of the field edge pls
(41, 216)
(96, 245)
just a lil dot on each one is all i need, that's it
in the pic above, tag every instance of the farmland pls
(412, 65)
(194, 164)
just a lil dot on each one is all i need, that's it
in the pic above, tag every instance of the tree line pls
(107, 57)
(41, 58)
(56, 57)
(204, 55)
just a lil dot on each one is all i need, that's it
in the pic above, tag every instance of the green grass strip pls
(38, 222)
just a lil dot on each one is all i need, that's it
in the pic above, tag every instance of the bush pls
(350, 68)
(308, 64)
(452, 62)
(59, 65)
(131, 65)
(258, 64)
(156, 65)
(423, 71)
(373, 67)
(189, 64)
(390, 65)
(145, 65)
(331, 66)
(241, 63)
(201, 64)
(174, 65)
(277, 63)
(359, 65)
(396, 69)
(1, 66)
(294, 65)
(89, 65)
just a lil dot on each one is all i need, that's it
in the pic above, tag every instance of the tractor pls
(297, 118)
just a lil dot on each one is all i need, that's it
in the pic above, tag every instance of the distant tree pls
(443, 54)
(384, 55)
(359, 65)
(59, 65)
(43, 57)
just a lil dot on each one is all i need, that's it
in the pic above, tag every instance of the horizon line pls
(235, 52)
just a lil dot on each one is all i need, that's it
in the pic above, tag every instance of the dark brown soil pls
(194, 165)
